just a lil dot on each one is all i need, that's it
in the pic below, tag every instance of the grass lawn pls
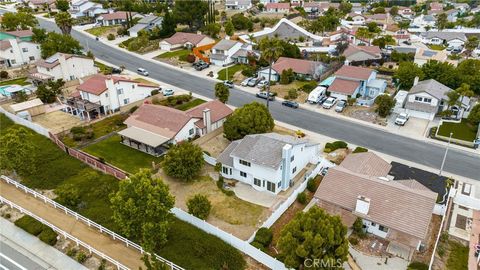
(187, 245)
(19, 81)
(458, 257)
(122, 156)
(108, 125)
(222, 74)
(178, 53)
(437, 47)
(99, 31)
(103, 68)
(462, 131)
(188, 105)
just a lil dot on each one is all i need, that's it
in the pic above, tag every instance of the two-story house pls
(268, 162)
(85, 8)
(16, 52)
(117, 17)
(62, 66)
(225, 52)
(356, 18)
(357, 82)
(146, 24)
(23, 35)
(238, 4)
(303, 69)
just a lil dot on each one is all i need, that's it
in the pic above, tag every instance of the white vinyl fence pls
(35, 127)
(237, 243)
(65, 234)
(210, 160)
(87, 221)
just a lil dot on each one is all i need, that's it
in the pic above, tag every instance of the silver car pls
(329, 103)
(341, 106)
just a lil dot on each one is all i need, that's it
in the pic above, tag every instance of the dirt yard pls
(214, 143)
(229, 213)
(433, 231)
(282, 90)
(367, 114)
(57, 121)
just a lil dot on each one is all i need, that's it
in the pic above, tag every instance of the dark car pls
(291, 104)
(264, 95)
(200, 65)
(322, 99)
(116, 71)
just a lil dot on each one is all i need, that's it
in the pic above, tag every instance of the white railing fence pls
(85, 220)
(237, 243)
(65, 234)
(35, 127)
(210, 160)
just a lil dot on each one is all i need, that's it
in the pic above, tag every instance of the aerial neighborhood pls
(240, 134)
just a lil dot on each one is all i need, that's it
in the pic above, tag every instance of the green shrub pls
(417, 266)
(154, 92)
(292, 94)
(264, 236)
(360, 150)
(111, 36)
(78, 130)
(259, 246)
(228, 192)
(72, 252)
(302, 198)
(81, 257)
(30, 225)
(308, 87)
(3, 74)
(220, 182)
(48, 236)
(353, 240)
(133, 109)
(340, 144)
(312, 185)
(218, 165)
(199, 206)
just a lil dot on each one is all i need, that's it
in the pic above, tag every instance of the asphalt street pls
(458, 162)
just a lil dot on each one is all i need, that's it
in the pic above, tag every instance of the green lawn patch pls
(178, 53)
(122, 156)
(103, 68)
(19, 81)
(436, 47)
(108, 125)
(462, 131)
(99, 31)
(193, 248)
(458, 257)
(188, 105)
(222, 74)
(140, 44)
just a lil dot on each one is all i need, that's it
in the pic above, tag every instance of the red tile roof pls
(372, 50)
(367, 163)
(182, 38)
(218, 111)
(346, 87)
(21, 33)
(96, 84)
(298, 66)
(117, 15)
(352, 72)
(5, 44)
(277, 6)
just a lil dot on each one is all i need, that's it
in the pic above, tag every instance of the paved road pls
(458, 162)
(12, 259)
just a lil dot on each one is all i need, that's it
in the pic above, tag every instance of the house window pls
(24, 49)
(270, 186)
(13, 62)
(126, 101)
(31, 58)
(278, 185)
(245, 163)
(190, 132)
(427, 100)
(257, 182)
(461, 222)
(243, 174)
(225, 170)
(382, 228)
(292, 158)
(418, 98)
(133, 86)
(466, 189)
(373, 224)
(106, 94)
(463, 207)
(294, 170)
(119, 91)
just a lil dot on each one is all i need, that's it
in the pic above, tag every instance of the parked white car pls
(329, 103)
(168, 92)
(401, 119)
(261, 84)
(246, 81)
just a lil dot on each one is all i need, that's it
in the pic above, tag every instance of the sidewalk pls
(115, 249)
(37, 251)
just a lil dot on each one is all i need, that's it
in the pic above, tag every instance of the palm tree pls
(271, 50)
(64, 21)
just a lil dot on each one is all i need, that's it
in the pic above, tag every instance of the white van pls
(316, 94)
(142, 71)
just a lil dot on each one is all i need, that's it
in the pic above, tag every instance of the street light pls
(446, 152)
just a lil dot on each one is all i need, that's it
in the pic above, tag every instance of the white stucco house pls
(424, 21)
(277, 8)
(356, 19)
(429, 97)
(357, 82)
(63, 66)
(151, 127)
(85, 8)
(268, 162)
(303, 69)
(451, 39)
(238, 4)
(185, 40)
(146, 24)
(16, 52)
(115, 18)
(228, 51)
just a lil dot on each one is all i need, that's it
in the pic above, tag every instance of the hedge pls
(48, 236)
(35, 227)
(360, 150)
(330, 147)
(264, 236)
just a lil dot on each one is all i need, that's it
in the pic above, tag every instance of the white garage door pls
(423, 115)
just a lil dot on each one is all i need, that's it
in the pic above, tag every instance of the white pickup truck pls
(401, 119)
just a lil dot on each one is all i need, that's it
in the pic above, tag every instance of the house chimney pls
(363, 205)
(415, 81)
(207, 120)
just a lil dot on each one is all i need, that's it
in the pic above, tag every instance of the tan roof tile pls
(367, 163)
(359, 73)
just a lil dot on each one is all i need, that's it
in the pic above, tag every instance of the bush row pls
(35, 227)
(330, 147)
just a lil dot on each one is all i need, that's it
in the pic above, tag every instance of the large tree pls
(271, 50)
(252, 118)
(49, 91)
(199, 206)
(222, 92)
(442, 21)
(168, 25)
(471, 44)
(55, 42)
(324, 24)
(474, 115)
(64, 21)
(18, 21)
(442, 72)
(313, 235)
(62, 5)
(406, 73)
(191, 13)
(17, 153)
(141, 208)
(183, 161)
(385, 104)
(469, 72)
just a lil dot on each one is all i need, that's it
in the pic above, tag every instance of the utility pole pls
(446, 152)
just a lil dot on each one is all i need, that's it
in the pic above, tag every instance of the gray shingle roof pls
(224, 44)
(432, 87)
(445, 35)
(225, 157)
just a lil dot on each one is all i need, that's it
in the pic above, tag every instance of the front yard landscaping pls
(121, 156)
(437, 47)
(187, 246)
(103, 30)
(222, 74)
(300, 88)
(180, 54)
(141, 44)
(19, 81)
(462, 131)
(180, 102)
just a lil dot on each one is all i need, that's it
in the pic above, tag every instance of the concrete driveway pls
(414, 128)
